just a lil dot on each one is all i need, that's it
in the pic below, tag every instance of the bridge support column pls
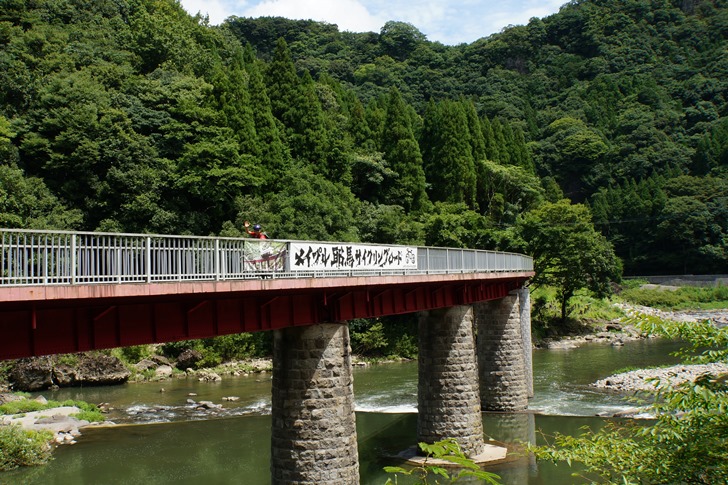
(524, 300)
(448, 398)
(502, 369)
(313, 438)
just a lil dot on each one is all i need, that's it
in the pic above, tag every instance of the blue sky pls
(449, 22)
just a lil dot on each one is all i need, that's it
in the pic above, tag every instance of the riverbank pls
(651, 379)
(59, 420)
(618, 332)
(64, 420)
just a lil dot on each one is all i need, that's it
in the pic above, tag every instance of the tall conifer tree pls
(475, 128)
(492, 150)
(500, 142)
(273, 151)
(403, 155)
(449, 164)
(295, 103)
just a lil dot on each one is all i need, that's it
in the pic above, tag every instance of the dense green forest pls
(131, 115)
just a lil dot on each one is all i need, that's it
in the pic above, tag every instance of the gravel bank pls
(648, 379)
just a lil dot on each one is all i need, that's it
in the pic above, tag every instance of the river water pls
(165, 439)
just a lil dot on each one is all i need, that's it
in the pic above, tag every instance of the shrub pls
(136, 353)
(406, 346)
(19, 447)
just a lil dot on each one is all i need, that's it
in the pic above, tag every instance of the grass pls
(90, 412)
(683, 298)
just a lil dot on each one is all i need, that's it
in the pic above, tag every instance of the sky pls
(448, 21)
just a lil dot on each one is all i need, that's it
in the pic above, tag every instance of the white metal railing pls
(38, 257)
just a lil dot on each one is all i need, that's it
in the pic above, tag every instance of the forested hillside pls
(131, 115)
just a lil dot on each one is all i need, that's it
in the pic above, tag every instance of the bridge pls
(63, 291)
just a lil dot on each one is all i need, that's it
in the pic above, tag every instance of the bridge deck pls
(67, 292)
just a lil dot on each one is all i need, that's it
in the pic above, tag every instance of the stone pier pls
(448, 397)
(501, 355)
(313, 436)
(524, 301)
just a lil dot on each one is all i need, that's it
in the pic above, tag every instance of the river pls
(165, 439)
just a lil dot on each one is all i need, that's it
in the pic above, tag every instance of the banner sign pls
(312, 256)
(264, 255)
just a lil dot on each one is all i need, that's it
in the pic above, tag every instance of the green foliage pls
(388, 337)
(447, 450)
(19, 447)
(135, 116)
(685, 444)
(136, 353)
(223, 348)
(26, 202)
(405, 346)
(367, 340)
(569, 254)
(90, 416)
(707, 342)
(678, 298)
(310, 207)
(402, 153)
(447, 154)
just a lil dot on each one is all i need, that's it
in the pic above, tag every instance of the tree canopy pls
(134, 116)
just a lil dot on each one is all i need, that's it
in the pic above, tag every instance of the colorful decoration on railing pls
(311, 256)
(264, 255)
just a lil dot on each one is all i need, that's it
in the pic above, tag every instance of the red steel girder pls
(39, 326)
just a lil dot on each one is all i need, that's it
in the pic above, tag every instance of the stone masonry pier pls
(313, 438)
(448, 399)
(501, 355)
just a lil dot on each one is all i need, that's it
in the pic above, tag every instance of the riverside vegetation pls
(685, 444)
(24, 447)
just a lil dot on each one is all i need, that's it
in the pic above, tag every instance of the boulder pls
(101, 369)
(163, 371)
(160, 360)
(65, 375)
(208, 376)
(145, 364)
(188, 359)
(40, 373)
(32, 374)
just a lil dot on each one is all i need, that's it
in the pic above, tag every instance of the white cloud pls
(447, 21)
(217, 10)
(348, 15)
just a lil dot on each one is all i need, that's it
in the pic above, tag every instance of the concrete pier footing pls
(448, 395)
(313, 436)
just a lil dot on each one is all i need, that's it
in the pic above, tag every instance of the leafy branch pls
(446, 450)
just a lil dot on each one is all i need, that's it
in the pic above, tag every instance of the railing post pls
(73, 259)
(217, 260)
(118, 248)
(148, 259)
(45, 258)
